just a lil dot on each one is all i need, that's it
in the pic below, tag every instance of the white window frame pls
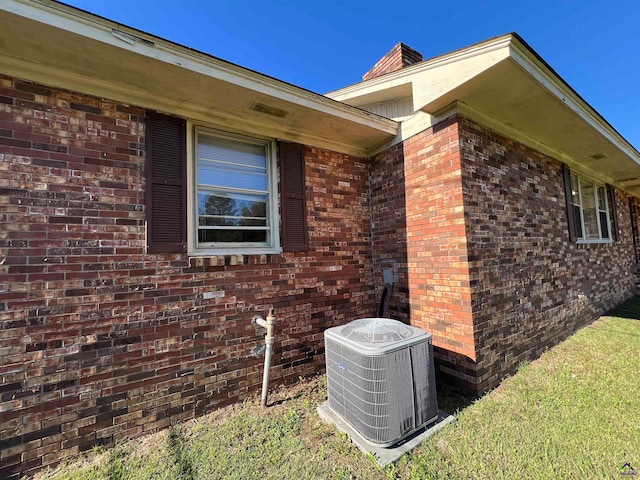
(580, 236)
(273, 218)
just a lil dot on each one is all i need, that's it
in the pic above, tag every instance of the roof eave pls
(505, 84)
(353, 130)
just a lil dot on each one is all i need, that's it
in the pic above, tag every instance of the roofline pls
(409, 71)
(76, 20)
(528, 59)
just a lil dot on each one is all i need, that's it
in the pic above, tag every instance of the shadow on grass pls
(282, 400)
(451, 400)
(288, 392)
(629, 309)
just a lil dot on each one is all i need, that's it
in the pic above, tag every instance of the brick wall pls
(428, 245)
(634, 215)
(531, 286)
(389, 227)
(436, 239)
(100, 341)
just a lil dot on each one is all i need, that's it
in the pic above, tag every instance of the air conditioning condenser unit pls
(381, 378)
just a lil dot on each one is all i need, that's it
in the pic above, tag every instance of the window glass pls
(232, 195)
(232, 176)
(575, 189)
(231, 236)
(231, 209)
(232, 164)
(589, 214)
(577, 210)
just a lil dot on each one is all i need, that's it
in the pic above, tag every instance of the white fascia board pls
(414, 72)
(529, 62)
(108, 32)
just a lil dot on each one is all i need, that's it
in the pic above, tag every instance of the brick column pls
(437, 261)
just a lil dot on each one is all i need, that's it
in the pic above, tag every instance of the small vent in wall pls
(599, 156)
(269, 110)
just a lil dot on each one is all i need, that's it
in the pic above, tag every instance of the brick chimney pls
(398, 57)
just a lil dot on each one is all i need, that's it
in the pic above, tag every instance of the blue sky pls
(322, 46)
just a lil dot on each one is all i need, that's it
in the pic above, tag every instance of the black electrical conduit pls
(387, 291)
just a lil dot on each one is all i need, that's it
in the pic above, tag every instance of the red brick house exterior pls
(119, 315)
(102, 341)
(495, 279)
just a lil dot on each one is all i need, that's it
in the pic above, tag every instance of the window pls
(222, 198)
(591, 209)
(233, 192)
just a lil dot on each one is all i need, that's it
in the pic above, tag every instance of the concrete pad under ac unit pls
(384, 455)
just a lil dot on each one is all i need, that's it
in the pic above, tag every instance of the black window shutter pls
(293, 198)
(633, 216)
(566, 175)
(166, 192)
(611, 192)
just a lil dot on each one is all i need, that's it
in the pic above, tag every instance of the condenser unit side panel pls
(355, 383)
(401, 416)
(378, 395)
(424, 386)
(367, 398)
(335, 376)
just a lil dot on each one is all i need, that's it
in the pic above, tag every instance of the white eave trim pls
(408, 74)
(525, 58)
(556, 86)
(108, 32)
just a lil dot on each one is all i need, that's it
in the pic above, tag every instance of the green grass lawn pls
(571, 414)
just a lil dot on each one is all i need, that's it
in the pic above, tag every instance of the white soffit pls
(521, 97)
(64, 47)
(427, 80)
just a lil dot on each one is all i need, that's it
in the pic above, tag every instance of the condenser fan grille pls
(376, 330)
